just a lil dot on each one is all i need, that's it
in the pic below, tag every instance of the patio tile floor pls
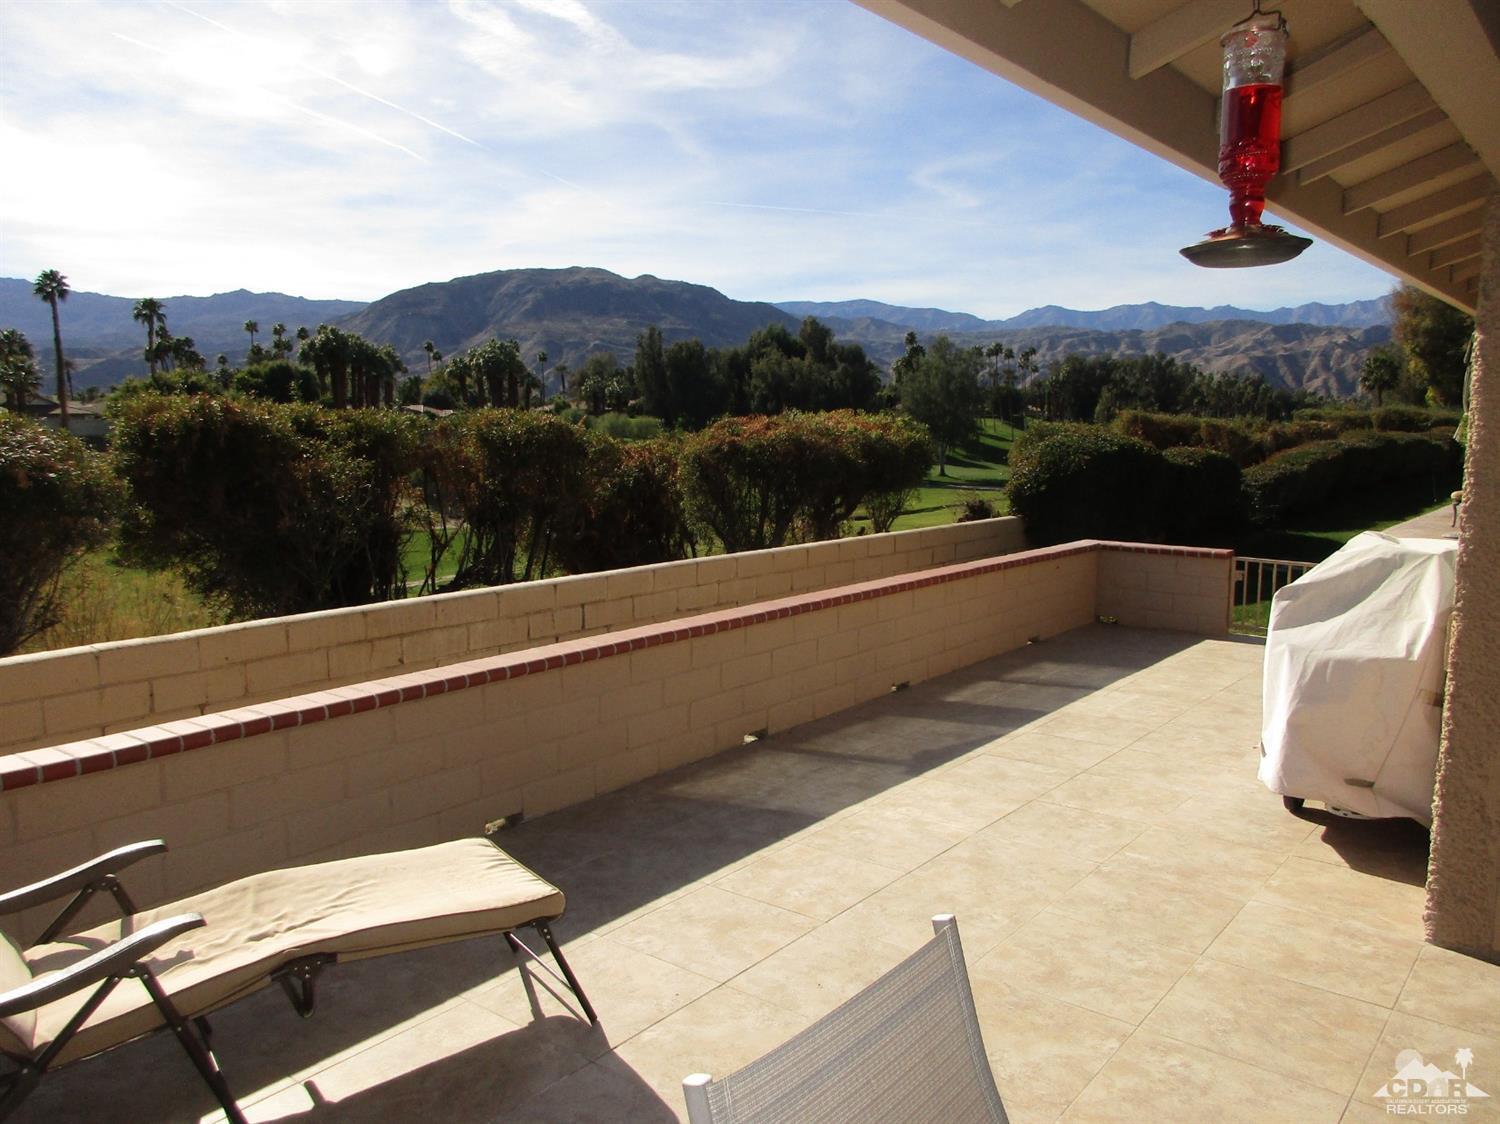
(1150, 935)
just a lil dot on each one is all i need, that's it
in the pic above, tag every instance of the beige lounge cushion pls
(358, 907)
(16, 1031)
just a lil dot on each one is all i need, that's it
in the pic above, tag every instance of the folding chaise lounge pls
(906, 1048)
(59, 999)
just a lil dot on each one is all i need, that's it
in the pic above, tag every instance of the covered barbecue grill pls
(1353, 689)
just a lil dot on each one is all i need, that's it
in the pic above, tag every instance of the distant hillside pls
(568, 313)
(106, 344)
(1122, 317)
(1325, 359)
(1290, 355)
(918, 319)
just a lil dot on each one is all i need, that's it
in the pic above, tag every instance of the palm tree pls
(541, 366)
(432, 354)
(185, 354)
(1381, 371)
(280, 344)
(164, 354)
(51, 286)
(18, 377)
(152, 313)
(252, 326)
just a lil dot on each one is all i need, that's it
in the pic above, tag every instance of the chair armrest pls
(79, 876)
(113, 960)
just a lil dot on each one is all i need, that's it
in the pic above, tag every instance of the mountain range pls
(571, 313)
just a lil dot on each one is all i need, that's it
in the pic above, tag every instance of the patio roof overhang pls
(1391, 132)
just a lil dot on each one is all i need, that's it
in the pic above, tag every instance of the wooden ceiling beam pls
(1457, 252)
(1354, 126)
(1465, 196)
(1412, 174)
(1467, 270)
(1440, 234)
(1374, 143)
(1180, 31)
(1355, 49)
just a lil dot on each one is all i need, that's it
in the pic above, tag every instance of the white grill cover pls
(1352, 701)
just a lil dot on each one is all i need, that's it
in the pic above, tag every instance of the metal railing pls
(1255, 581)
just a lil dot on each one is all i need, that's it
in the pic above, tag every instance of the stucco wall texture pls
(1463, 879)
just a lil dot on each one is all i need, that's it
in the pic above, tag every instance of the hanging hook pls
(1258, 11)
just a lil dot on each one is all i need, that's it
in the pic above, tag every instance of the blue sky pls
(804, 149)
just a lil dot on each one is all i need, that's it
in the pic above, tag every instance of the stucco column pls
(1463, 875)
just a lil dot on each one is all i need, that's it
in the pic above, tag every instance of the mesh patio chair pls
(61, 999)
(907, 1048)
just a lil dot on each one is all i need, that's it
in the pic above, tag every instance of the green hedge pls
(1202, 499)
(1073, 481)
(1301, 480)
(758, 482)
(1082, 481)
(1250, 441)
(1078, 481)
(632, 513)
(1401, 419)
(516, 479)
(269, 509)
(1405, 419)
(57, 499)
(1246, 441)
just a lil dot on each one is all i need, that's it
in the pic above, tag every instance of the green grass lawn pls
(415, 558)
(979, 468)
(103, 598)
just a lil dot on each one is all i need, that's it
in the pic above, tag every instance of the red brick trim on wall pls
(42, 766)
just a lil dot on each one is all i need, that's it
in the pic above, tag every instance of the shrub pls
(1342, 417)
(1082, 481)
(268, 509)
(1201, 497)
(746, 478)
(974, 507)
(1162, 431)
(515, 479)
(760, 482)
(1236, 440)
(1305, 478)
(895, 453)
(1246, 441)
(57, 499)
(277, 380)
(631, 513)
(384, 444)
(1401, 419)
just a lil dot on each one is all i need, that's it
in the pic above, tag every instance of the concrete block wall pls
(436, 754)
(1177, 587)
(55, 697)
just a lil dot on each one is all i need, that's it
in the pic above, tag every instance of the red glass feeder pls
(1250, 147)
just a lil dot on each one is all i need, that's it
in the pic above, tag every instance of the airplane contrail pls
(798, 210)
(293, 105)
(330, 77)
(372, 97)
